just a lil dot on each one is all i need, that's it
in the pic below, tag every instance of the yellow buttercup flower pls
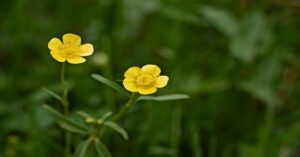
(70, 49)
(144, 80)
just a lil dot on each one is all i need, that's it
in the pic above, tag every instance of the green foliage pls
(111, 84)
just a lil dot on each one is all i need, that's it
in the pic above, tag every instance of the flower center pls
(71, 51)
(144, 80)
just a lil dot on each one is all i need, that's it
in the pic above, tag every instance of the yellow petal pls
(55, 44)
(146, 91)
(161, 81)
(58, 56)
(71, 39)
(132, 72)
(86, 49)
(130, 85)
(154, 70)
(76, 60)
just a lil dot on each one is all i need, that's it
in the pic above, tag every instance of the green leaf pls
(56, 96)
(117, 128)
(84, 114)
(72, 128)
(106, 115)
(253, 39)
(111, 84)
(222, 20)
(168, 97)
(82, 148)
(61, 117)
(177, 14)
(101, 149)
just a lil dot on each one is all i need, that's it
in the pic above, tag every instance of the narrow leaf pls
(82, 148)
(117, 128)
(72, 128)
(110, 83)
(84, 114)
(168, 97)
(101, 149)
(61, 117)
(106, 115)
(222, 20)
(53, 94)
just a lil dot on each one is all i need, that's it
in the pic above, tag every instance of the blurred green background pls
(238, 60)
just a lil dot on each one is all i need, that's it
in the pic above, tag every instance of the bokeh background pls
(238, 60)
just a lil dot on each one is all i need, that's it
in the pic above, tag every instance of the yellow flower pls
(70, 49)
(144, 80)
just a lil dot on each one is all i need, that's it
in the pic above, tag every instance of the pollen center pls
(144, 80)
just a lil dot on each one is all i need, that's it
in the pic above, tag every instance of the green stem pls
(266, 131)
(132, 100)
(65, 105)
(127, 106)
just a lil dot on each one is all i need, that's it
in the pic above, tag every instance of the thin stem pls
(132, 100)
(266, 131)
(64, 90)
(65, 105)
(127, 106)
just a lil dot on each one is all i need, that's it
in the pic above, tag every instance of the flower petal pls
(130, 85)
(154, 70)
(161, 81)
(86, 49)
(132, 72)
(71, 39)
(76, 60)
(55, 44)
(146, 91)
(58, 56)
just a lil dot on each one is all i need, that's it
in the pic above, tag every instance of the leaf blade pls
(53, 94)
(222, 20)
(117, 128)
(169, 97)
(110, 83)
(72, 128)
(64, 119)
(101, 149)
(82, 148)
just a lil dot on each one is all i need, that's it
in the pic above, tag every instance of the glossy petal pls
(146, 91)
(132, 72)
(55, 44)
(76, 60)
(154, 70)
(86, 49)
(130, 85)
(161, 81)
(58, 56)
(71, 39)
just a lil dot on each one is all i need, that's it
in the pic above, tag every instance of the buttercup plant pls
(72, 51)
(138, 82)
